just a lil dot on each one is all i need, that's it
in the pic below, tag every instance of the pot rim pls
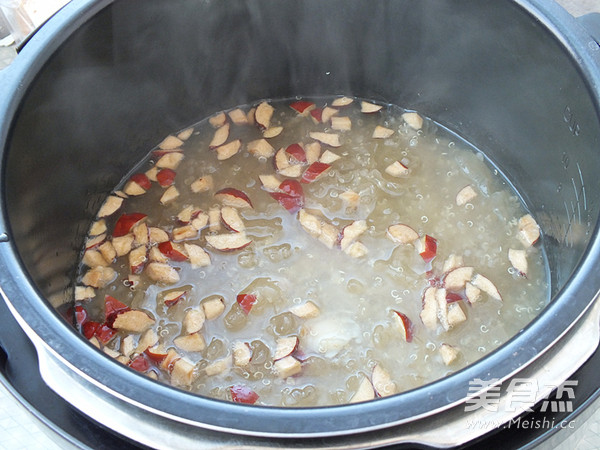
(60, 339)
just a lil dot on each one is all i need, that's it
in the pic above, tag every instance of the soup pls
(309, 252)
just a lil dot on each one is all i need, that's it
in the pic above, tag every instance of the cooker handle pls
(591, 23)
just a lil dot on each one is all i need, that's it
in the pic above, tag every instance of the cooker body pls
(106, 81)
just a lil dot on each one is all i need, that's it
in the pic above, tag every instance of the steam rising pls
(142, 69)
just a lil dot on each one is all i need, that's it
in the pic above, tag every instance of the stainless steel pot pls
(103, 81)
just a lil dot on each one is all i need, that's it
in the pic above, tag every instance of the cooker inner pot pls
(138, 70)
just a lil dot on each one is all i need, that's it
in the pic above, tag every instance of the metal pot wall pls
(103, 81)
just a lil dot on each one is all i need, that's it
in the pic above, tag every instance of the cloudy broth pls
(287, 268)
